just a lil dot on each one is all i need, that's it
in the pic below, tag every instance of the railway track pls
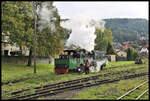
(55, 90)
(134, 90)
(23, 79)
(69, 82)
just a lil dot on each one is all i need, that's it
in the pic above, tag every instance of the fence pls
(24, 59)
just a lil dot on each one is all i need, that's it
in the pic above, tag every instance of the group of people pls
(84, 68)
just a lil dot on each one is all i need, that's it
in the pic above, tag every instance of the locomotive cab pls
(69, 61)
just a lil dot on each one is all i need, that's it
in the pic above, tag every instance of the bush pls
(132, 54)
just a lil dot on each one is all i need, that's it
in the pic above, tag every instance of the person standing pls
(87, 66)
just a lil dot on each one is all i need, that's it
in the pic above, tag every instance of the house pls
(125, 45)
(117, 50)
(117, 45)
(144, 50)
(144, 38)
(122, 53)
(111, 57)
(7, 48)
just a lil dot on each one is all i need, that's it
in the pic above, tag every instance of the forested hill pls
(126, 29)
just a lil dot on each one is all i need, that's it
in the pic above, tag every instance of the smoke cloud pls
(47, 18)
(83, 28)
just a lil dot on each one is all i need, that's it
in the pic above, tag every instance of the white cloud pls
(104, 9)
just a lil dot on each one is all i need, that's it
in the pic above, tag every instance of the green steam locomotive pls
(71, 60)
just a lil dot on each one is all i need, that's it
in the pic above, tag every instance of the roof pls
(120, 51)
(125, 43)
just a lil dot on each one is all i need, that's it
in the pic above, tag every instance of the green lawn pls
(13, 71)
(118, 63)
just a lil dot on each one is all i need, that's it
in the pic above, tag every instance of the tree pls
(132, 54)
(134, 46)
(50, 38)
(18, 23)
(135, 54)
(110, 49)
(129, 54)
(100, 41)
(103, 41)
(127, 29)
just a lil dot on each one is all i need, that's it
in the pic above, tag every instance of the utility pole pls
(35, 17)
(35, 5)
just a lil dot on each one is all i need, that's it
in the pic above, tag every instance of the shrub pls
(132, 54)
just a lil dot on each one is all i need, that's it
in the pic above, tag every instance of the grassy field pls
(12, 71)
(113, 91)
(111, 64)
(15, 71)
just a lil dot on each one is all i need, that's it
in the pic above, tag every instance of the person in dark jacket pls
(87, 66)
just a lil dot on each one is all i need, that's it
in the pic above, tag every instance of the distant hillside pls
(127, 29)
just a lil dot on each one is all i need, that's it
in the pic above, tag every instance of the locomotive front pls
(68, 62)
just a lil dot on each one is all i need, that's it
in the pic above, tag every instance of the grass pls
(118, 63)
(145, 97)
(12, 71)
(113, 91)
(15, 71)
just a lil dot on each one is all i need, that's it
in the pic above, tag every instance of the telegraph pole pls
(35, 17)
(34, 5)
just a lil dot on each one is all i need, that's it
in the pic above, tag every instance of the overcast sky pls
(103, 9)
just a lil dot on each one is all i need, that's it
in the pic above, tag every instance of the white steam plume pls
(47, 18)
(83, 28)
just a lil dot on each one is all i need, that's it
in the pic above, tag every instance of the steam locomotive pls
(71, 60)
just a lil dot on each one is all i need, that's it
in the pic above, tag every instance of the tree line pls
(18, 24)
(103, 41)
(127, 29)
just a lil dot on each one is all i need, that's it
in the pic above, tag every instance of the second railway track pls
(40, 92)
(65, 83)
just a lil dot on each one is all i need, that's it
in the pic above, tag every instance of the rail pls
(142, 94)
(72, 81)
(54, 91)
(131, 90)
